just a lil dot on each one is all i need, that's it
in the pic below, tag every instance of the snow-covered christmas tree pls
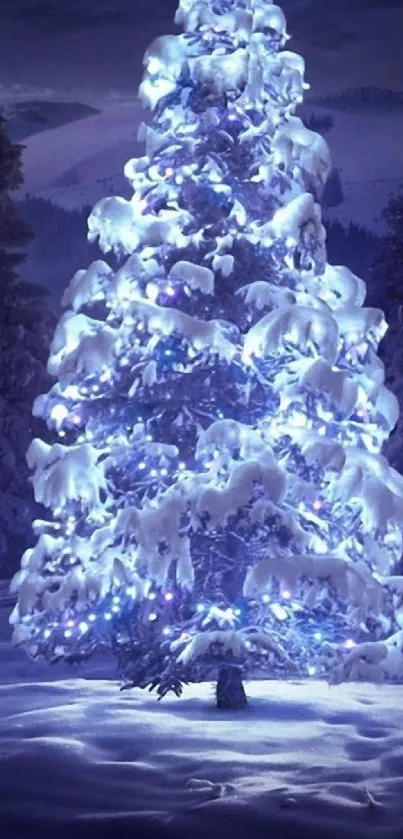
(220, 505)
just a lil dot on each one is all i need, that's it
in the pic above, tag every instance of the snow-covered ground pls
(78, 163)
(78, 758)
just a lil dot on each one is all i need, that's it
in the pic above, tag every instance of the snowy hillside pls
(306, 761)
(31, 117)
(80, 162)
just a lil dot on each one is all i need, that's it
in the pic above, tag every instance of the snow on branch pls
(305, 328)
(119, 225)
(362, 664)
(125, 283)
(163, 61)
(294, 143)
(289, 220)
(372, 486)
(264, 641)
(66, 473)
(33, 559)
(195, 276)
(288, 569)
(338, 385)
(338, 286)
(262, 295)
(238, 643)
(231, 435)
(287, 67)
(87, 285)
(201, 334)
(153, 525)
(225, 72)
(220, 504)
(81, 344)
(361, 322)
(229, 641)
(191, 14)
(322, 451)
(242, 22)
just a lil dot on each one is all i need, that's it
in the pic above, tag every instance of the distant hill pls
(60, 246)
(370, 100)
(32, 117)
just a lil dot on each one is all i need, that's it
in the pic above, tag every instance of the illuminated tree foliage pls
(220, 505)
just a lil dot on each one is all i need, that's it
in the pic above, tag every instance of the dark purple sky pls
(88, 48)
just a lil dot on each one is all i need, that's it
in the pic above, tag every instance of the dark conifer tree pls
(25, 329)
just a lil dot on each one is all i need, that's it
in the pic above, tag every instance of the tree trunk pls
(230, 690)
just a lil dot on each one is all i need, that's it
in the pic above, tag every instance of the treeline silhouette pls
(321, 123)
(355, 247)
(60, 246)
(370, 98)
(26, 328)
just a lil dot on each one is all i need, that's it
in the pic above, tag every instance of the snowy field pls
(80, 759)
(79, 163)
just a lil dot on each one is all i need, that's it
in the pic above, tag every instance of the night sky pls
(88, 48)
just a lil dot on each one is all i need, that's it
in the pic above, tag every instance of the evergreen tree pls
(14, 233)
(220, 504)
(25, 333)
